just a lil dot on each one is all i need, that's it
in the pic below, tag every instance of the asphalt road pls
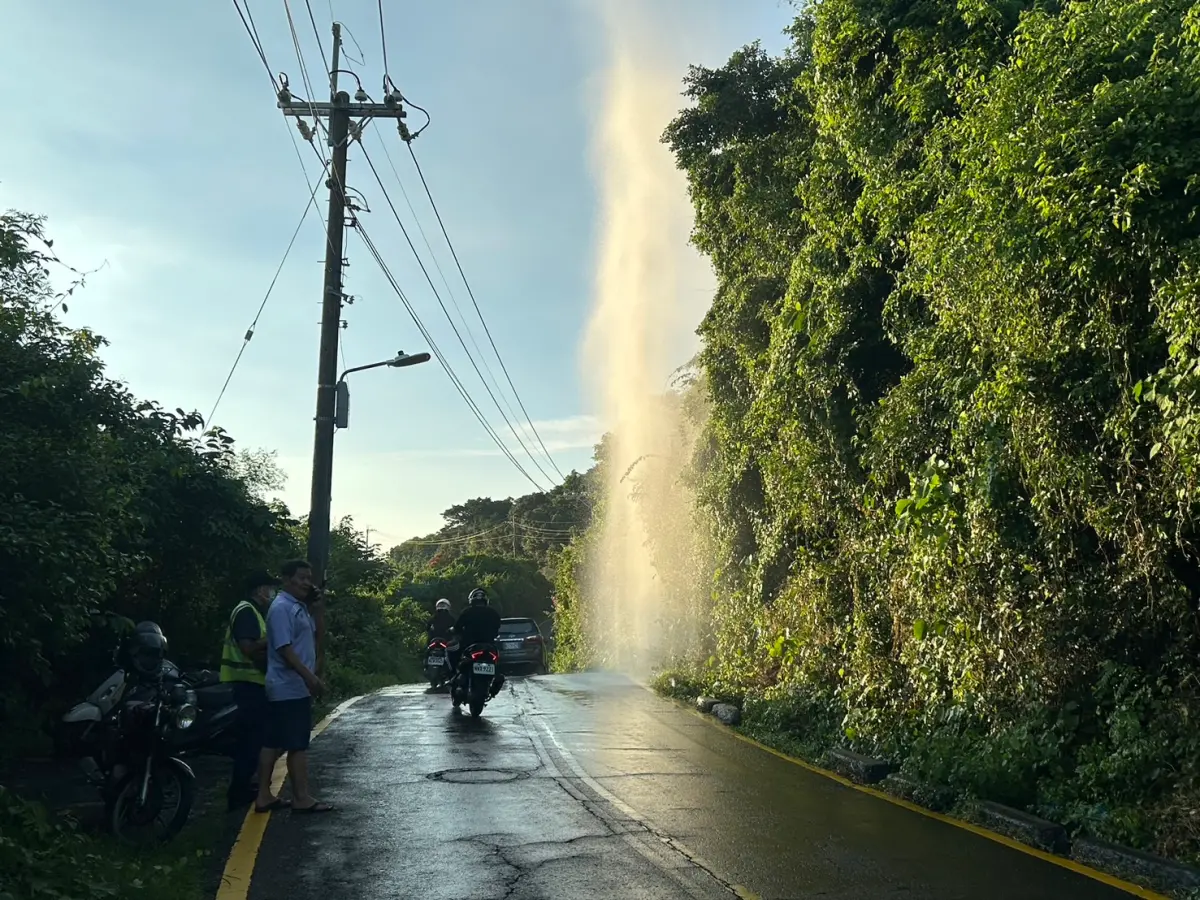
(589, 786)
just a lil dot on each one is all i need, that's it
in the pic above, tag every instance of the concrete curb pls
(1022, 826)
(930, 796)
(1135, 865)
(856, 767)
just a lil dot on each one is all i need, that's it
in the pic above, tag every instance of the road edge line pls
(239, 865)
(1060, 861)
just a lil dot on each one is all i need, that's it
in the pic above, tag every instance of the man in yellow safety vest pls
(244, 668)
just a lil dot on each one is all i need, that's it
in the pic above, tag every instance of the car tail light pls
(534, 639)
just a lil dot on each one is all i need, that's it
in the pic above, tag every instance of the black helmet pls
(478, 597)
(146, 649)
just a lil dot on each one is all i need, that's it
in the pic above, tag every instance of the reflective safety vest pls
(236, 665)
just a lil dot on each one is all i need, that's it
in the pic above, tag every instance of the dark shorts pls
(289, 723)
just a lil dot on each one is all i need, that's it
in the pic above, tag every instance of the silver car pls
(521, 646)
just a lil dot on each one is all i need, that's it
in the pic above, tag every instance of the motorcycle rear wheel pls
(127, 818)
(476, 708)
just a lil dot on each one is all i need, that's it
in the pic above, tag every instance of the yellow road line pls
(1061, 861)
(239, 867)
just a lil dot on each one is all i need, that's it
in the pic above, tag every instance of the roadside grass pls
(48, 856)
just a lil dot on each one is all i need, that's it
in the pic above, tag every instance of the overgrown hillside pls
(951, 372)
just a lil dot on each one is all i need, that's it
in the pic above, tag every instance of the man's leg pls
(297, 764)
(269, 755)
(245, 754)
(300, 718)
(267, 758)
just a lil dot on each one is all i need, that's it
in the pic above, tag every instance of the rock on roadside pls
(727, 713)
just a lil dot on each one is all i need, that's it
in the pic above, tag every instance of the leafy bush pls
(42, 858)
(953, 375)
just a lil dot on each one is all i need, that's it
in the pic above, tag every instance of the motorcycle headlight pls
(185, 716)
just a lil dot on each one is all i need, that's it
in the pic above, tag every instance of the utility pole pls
(339, 112)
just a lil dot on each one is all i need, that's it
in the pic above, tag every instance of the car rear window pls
(518, 626)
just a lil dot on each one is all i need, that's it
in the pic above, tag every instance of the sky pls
(148, 134)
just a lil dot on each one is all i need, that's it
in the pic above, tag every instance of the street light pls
(341, 407)
(322, 472)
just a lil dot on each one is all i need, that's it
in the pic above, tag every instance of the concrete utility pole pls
(339, 112)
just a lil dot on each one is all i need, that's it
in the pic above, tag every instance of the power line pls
(383, 43)
(252, 31)
(455, 380)
(317, 35)
(261, 306)
(362, 57)
(308, 88)
(456, 539)
(445, 281)
(450, 319)
(478, 311)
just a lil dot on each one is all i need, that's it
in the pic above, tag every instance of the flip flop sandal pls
(315, 808)
(277, 803)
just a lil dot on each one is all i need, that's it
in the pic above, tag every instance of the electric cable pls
(383, 43)
(445, 281)
(320, 46)
(304, 70)
(252, 31)
(455, 380)
(449, 318)
(261, 306)
(450, 541)
(478, 311)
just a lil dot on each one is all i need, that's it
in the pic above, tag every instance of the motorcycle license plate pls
(436, 660)
(483, 669)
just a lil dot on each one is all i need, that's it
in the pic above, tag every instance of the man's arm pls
(279, 633)
(246, 632)
(293, 660)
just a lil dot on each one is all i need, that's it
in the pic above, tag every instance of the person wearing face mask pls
(244, 669)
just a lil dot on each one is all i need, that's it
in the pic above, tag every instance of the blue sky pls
(147, 132)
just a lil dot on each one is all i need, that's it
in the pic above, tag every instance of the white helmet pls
(442, 604)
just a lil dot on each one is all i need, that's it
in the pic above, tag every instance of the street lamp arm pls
(363, 368)
(399, 361)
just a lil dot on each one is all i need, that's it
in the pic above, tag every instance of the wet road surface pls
(590, 787)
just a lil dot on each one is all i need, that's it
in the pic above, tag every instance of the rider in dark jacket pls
(442, 622)
(479, 623)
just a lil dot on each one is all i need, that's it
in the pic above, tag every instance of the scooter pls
(437, 661)
(478, 679)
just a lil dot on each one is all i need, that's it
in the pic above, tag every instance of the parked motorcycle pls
(478, 679)
(437, 661)
(132, 731)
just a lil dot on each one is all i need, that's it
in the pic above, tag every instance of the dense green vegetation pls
(114, 510)
(951, 373)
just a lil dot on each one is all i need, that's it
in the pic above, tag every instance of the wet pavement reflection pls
(588, 786)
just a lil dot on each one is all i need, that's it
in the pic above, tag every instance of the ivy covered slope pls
(953, 363)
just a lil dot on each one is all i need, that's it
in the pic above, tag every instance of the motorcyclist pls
(479, 624)
(442, 622)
